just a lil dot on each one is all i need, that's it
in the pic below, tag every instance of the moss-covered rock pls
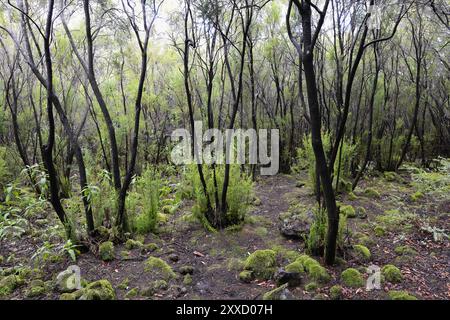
(319, 274)
(106, 251)
(280, 293)
(336, 292)
(315, 271)
(372, 193)
(312, 286)
(391, 273)
(98, 290)
(186, 270)
(379, 231)
(262, 263)
(2, 259)
(159, 268)
(352, 278)
(36, 289)
(154, 287)
(361, 212)
(67, 296)
(133, 244)
(133, 293)
(400, 295)
(8, 284)
(290, 255)
(246, 276)
(405, 250)
(187, 280)
(149, 247)
(362, 252)
(348, 211)
(295, 266)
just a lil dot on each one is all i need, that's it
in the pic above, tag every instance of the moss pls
(37, 288)
(133, 244)
(391, 273)
(67, 296)
(246, 276)
(392, 176)
(290, 255)
(315, 271)
(400, 295)
(295, 266)
(124, 284)
(362, 252)
(8, 284)
(379, 231)
(276, 294)
(336, 292)
(352, 278)
(416, 196)
(344, 186)
(187, 280)
(262, 263)
(372, 193)
(98, 290)
(150, 247)
(235, 264)
(106, 251)
(1, 259)
(405, 250)
(348, 211)
(319, 273)
(168, 209)
(261, 231)
(132, 293)
(155, 286)
(187, 270)
(365, 240)
(352, 196)
(160, 268)
(312, 286)
(396, 220)
(361, 212)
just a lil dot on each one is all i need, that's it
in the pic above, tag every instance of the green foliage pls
(306, 160)
(143, 201)
(400, 295)
(239, 196)
(316, 240)
(436, 182)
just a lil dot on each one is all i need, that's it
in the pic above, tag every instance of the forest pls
(224, 149)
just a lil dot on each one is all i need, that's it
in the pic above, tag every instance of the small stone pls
(293, 279)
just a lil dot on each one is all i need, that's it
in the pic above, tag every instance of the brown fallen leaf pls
(198, 254)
